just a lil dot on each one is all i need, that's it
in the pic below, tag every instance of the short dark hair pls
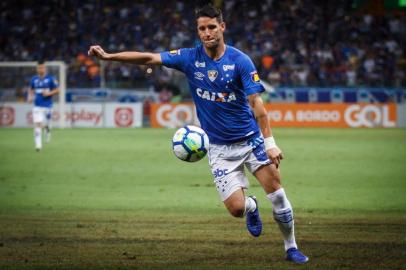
(40, 62)
(210, 11)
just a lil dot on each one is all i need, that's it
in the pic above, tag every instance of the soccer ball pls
(190, 143)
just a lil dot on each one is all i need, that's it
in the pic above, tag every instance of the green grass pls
(119, 199)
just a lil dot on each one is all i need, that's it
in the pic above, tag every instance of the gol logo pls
(368, 116)
(123, 117)
(175, 115)
(7, 115)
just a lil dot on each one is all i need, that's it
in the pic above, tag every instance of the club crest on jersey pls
(174, 52)
(215, 96)
(212, 74)
(255, 77)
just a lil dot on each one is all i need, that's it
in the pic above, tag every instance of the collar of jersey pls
(218, 60)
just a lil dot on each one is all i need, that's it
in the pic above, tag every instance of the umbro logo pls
(199, 75)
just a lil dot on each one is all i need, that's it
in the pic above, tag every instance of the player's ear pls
(223, 26)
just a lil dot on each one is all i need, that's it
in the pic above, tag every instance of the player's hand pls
(46, 93)
(98, 51)
(275, 154)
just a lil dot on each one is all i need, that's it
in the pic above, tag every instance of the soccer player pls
(226, 88)
(42, 88)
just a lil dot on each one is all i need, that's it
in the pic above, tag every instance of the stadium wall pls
(356, 115)
(92, 115)
(171, 115)
(401, 112)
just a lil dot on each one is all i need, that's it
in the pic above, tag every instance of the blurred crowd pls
(292, 42)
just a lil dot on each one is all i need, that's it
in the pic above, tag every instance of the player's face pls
(41, 70)
(210, 31)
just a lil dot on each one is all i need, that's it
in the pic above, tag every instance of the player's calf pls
(47, 134)
(283, 215)
(37, 138)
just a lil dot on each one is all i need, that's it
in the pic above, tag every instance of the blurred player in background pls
(226, 91)
(42, 88)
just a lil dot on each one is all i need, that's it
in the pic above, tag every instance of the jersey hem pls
(223, 142)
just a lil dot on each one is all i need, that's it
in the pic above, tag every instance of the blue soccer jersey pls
(40, 85)
(219, 90)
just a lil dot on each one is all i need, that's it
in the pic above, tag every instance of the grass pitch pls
(119, 199)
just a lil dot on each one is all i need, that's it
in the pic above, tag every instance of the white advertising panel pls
(76, 115)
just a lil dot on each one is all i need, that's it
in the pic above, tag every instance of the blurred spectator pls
(21, 94)
(165, 95)
(292, 42)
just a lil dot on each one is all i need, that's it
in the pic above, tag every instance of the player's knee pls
(238, 212)
(237, 209)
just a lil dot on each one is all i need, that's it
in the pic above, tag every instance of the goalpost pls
(61, 75)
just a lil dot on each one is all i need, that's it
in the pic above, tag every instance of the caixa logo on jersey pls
(7, 116)
(215, 96)
(218, 173)
(124, 117)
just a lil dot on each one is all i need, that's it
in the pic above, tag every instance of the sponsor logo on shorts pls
(220, 173)
(260, 153)
(254, 142)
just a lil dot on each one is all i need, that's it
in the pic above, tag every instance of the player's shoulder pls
(34, 78)
(52, 79)
(183, 54)
(234, 51)
(181, 51)
(237, 55)
(193, 51)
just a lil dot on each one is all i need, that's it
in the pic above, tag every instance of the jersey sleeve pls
(176, 59)
(32, 86)
(53, 83)
(249, 76)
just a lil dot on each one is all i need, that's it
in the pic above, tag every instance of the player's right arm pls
(30, 96)
(139, 58)
(31, 92)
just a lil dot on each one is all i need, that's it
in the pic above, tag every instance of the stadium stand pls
(293, 43)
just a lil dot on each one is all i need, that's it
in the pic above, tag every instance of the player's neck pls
(217, 52)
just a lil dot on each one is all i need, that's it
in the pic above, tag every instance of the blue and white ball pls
(190, 143)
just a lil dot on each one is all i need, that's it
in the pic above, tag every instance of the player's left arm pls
(54, 89)
(261, 116)
(31, 93)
